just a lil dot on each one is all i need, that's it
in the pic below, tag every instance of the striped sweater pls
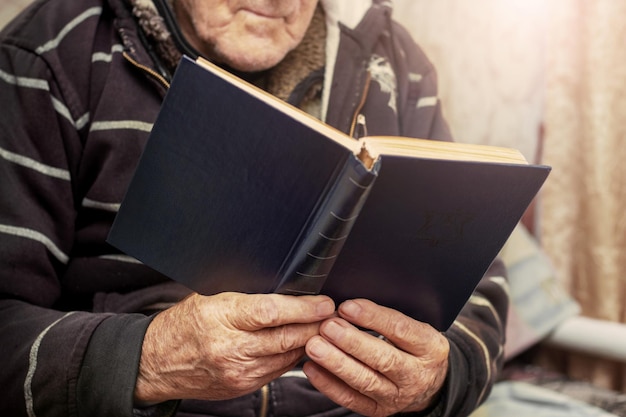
(79, 91)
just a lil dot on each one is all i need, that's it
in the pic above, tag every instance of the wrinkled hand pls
(226, 345)
(369, 375)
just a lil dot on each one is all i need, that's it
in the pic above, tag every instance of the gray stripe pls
(415, 77)
(113, 207)
(24, 161)
(41, 84)
(36, 236)
(483, 348)
(53, 43)
(107, 57)
(62, 110)
(65, 113)
(82, 121)
(480, 301)
(427, 101)
(121, 258)
(121, 124)
(32, 367)
(502, 283)
(28, 82)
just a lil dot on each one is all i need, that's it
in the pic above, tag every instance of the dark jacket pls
(79, 91)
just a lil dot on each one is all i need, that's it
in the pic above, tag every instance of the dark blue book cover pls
(235, 194)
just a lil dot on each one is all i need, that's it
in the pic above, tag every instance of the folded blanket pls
(538, 300)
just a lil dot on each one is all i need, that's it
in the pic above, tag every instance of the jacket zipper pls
(361, 127)
(265, 400)
(358, 119)
(146, 69)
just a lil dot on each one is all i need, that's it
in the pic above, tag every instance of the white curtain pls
(583, 225)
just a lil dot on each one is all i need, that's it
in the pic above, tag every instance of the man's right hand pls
(226, 345)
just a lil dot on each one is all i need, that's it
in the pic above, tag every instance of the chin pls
(252, 55)
(254, 62)
(255, 65)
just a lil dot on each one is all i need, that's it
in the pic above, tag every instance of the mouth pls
(261, 13)
(269, 10)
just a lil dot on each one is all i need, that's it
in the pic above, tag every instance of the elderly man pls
(87, 331)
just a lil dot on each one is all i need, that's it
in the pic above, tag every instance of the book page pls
(432, 149)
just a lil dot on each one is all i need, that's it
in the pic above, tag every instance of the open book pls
(239, 191)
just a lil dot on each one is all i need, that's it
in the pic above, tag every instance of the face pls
(248, 35)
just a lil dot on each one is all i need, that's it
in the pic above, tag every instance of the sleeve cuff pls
(108, 374)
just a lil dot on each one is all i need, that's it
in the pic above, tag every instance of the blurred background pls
(9, 8)
(549, 78)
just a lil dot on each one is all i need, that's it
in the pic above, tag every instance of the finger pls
(258, 311)
(338, 391)
(278, 340)
(378, 370)
(249, 376)
(412, 336)
(356, 373)
(371, 352)
(272, 367)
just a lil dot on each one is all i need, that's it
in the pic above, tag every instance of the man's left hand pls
(373, 376)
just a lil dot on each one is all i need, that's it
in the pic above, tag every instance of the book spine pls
(315, 256)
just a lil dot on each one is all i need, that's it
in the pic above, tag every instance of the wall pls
(9, 8)
(490, 57)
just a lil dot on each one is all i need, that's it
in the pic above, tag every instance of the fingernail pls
(333, 330)
(317, 349)
(350, 308)
(325, 308)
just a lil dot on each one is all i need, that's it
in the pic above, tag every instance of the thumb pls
(258, 311)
